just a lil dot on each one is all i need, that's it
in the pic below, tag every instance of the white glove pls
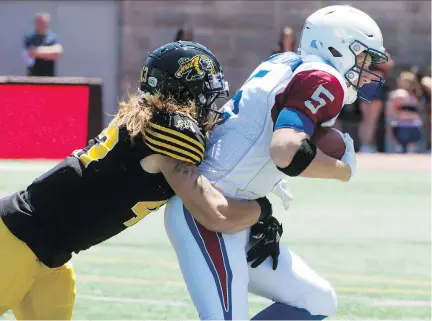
(349, 156)
(282, 191)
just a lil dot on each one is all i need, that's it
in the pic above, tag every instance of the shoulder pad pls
(175, 135)
(316, 93)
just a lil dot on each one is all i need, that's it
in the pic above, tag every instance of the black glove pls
(265, 236)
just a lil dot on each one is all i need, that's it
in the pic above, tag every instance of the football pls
(329, 141)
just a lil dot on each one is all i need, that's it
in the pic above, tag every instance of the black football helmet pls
(185, 70)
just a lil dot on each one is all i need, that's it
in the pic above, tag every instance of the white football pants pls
(218, 276)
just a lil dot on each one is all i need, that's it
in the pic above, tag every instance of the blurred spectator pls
(287, 41)
(425, 101)
(372, 114)
(426, 83)
(42, 48)
(404, 112)
(185, 34)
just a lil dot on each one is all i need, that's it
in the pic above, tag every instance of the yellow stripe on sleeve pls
(175, 141)
(164, 152)
(183, 152)
(181, 135)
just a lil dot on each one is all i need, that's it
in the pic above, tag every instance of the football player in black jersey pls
(147, 154)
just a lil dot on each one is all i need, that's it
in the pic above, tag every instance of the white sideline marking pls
(152, 301)
(405, 303)
(18, 167)
(133, 300)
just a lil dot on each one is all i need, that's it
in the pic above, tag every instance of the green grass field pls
(370, 238)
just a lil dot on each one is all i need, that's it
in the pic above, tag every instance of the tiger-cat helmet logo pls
(195, 68)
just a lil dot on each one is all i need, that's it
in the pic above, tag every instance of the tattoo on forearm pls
(192, 171)
(186, 169)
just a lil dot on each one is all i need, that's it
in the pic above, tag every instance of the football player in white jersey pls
(265, 136)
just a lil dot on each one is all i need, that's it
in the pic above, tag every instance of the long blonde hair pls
(136, 112)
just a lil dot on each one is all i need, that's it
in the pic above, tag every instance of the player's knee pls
(55, 298)
(323, 302)
(331, 302)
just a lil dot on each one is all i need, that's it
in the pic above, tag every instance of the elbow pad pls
(301, 160)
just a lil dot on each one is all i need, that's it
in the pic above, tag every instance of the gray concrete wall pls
(243, 33)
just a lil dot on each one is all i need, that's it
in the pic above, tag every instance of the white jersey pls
(214, 265)
(237, 158)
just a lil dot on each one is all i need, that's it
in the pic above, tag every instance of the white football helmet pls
(339, 34)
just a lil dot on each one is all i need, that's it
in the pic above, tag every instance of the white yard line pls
(401, 303)
(134, 300)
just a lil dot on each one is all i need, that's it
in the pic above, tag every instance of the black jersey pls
(99, 191)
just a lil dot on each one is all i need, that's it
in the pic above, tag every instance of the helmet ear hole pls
(334, 52)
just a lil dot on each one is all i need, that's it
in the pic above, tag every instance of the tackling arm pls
(206, 204)
(178, 147)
